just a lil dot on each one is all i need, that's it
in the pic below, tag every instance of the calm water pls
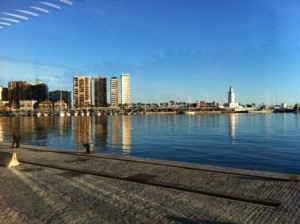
(264, 142)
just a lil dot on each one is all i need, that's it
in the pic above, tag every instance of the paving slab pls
(59, 186)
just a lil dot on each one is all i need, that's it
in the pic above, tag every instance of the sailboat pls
(61, 113)
(189, 112)
(68, 112)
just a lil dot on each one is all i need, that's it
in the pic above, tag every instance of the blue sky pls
(173, 49)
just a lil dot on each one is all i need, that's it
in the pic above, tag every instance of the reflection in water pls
(16, 124)
(126, 134)
(41, 127)
(114, 132)
(70, 132)
(232, 124)
(100, 128)
(82, 130)
(1, 131)
(264, 141)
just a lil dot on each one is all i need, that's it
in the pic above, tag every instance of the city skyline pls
(174, 50)
(94, 90)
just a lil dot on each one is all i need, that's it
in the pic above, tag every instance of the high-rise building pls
(4, 94)
(22, 90)
(82, 90)
(17, 91)
(125, 80)
(1, 89)
(100, 91)
(39, 91)
(114, 100)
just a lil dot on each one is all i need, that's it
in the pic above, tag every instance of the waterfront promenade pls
(56, 186)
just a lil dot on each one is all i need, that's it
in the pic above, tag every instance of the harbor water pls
(269, 142)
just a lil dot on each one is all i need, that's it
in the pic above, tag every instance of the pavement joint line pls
(261, 202)
(167, 165)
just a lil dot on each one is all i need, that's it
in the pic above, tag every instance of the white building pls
(125, 88)
(231, 100)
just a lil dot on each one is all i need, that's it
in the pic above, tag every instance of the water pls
(261, 141)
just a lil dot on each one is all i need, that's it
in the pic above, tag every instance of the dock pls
(70, 186)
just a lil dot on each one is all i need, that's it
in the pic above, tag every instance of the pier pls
(59, 186)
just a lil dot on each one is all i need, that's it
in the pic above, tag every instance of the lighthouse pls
(231, 95)
(231, 100)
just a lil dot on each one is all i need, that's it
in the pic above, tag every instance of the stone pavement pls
(57, 186)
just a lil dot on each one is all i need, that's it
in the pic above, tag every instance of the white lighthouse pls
(231, 99)
(231, 95)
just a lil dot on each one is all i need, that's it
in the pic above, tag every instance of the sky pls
(180, 50)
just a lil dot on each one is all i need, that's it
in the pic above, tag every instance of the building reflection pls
(1, 130)
(126, 134)
(41, 128)
(100, 131)
(114, 132)
(82, 130)
(55, 130)
(232, 126)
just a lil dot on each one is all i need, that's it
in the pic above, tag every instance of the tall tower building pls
(4, 94)
(114, 100)
(100, 91)
(82, 91)
(231, 95)
(23, 90)
(1, 89)
(39, 91)
(125, 80)
(231, 99)
(17, 91)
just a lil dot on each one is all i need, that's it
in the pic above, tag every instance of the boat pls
(68, 114)
(263, 111)
(61, 113)
(188, 112)
(284, 110)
